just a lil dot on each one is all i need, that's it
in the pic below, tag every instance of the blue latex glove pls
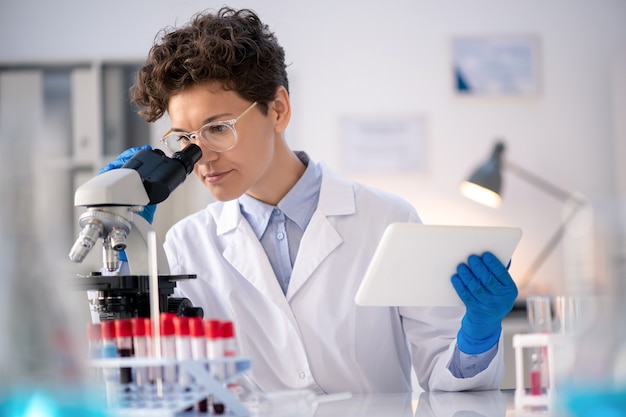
(488, 292)
(148, 211)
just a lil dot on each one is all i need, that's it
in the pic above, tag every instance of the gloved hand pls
(488, 292)
(148, 211)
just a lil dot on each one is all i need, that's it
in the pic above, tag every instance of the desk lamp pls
(485, 184)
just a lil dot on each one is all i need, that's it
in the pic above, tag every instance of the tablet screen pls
(413, 263)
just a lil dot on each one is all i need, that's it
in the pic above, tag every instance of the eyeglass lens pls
(219, 137)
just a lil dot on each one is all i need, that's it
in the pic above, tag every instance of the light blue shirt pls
(280, 229)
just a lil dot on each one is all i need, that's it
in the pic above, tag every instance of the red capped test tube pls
(183, 345)
(109, 348)
(124, 343)
(230, 350)
(111, 375)
(198, 349)
(140, 347)
(168, 346)
(214, 347)
(196, 334)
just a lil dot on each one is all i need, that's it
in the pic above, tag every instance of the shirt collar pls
(298, 204)
(256, 212)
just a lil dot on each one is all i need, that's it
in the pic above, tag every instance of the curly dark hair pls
(232, 48)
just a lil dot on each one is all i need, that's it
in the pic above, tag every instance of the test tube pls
(198, 349)
(183, 345)
(196, 333)
(228, 338)
(168, 346)
(124, 343)
(109, 348)
(215, 350)
(539, 321)
(214, 346)
(111, 375)
(94, 340)
(536, 384)
(140, 347)
(153, 371)
(183, 351)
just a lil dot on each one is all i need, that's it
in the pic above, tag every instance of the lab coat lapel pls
(321, 238)
(245, 253)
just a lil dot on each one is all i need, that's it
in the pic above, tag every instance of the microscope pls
(113, 200)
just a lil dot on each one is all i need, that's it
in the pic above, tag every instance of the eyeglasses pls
(218, 136)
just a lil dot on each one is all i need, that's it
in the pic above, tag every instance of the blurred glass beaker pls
(567, 313)
(539, 312)
(575, 313)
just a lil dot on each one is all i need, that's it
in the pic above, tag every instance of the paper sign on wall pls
(393, 145)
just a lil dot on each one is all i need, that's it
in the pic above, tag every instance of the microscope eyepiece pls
(188, 156)
(161, 175)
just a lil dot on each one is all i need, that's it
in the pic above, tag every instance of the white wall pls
(374, 59)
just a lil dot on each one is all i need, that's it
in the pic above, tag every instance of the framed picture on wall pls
(507, 65)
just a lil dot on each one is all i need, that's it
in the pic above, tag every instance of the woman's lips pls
(214, 177)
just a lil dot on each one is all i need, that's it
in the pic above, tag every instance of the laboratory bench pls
(495, 403)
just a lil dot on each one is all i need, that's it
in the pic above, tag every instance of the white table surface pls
(426, 404)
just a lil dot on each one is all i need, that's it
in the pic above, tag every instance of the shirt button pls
(301, 375)
(280, 235)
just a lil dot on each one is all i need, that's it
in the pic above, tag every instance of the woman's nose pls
(208, 155)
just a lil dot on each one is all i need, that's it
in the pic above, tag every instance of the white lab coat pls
(315, 336)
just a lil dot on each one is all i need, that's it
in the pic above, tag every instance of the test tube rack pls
(549, 343)
(163, 400)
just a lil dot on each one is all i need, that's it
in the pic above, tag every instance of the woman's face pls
(232, 173)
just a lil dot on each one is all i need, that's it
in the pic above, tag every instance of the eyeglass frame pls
(198, 137)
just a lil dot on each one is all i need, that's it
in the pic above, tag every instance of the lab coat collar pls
(319, 240)
(229, 218)
(336, 195)
(336, 199)
(246, 255)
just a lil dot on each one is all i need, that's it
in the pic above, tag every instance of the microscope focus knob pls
(183, 307)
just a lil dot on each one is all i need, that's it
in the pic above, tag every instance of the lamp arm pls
(557, 193)
(552, 243)
(539, 182)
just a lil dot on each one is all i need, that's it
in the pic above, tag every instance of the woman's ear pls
(281, 109)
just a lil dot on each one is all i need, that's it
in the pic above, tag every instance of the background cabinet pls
(59, 125)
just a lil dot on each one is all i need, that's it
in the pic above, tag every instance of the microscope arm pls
(136, 249)
(118, 187)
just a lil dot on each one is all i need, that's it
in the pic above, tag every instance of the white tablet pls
(413, 263)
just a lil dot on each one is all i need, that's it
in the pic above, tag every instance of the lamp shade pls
(485, 183)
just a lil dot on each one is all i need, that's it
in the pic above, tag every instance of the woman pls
(284, 249)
